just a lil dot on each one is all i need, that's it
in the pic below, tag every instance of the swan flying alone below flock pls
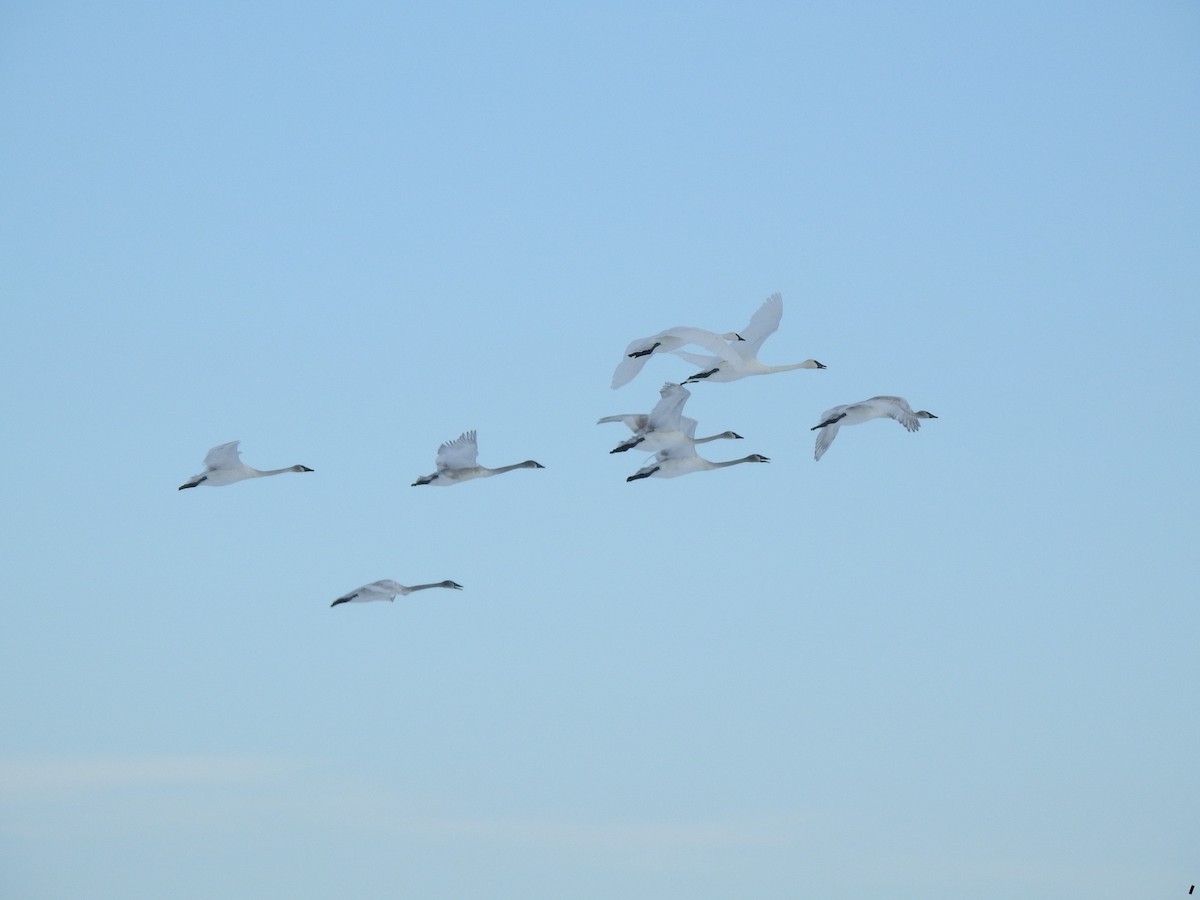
(457, 461)
(864, 411)
(223, 465)
(386, 589)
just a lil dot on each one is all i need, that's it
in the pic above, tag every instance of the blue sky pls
(960, 662)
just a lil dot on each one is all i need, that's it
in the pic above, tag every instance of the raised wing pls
(223, 456)
(763, 324)
(460, 453)
(668, 411)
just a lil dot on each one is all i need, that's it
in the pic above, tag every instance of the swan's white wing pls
(763, 324)
(668, 341)
(700, 360)
(627, 368)
(825, 437)
(896, 408)
(685, 447)
(460, 453)
(376, 590)
(667, 412)
(223, 457)
(635, 422)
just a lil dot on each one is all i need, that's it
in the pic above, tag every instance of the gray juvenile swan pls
(664, 425)
(223, 465)
(864, 411)
(386, 589)
(457, 462)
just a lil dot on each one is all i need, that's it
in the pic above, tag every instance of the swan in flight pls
(682, 459)
(855, 413)
(457, 461)
(667, 341)
(732, 361)
(223, 465)
(665, 425)
(387, 590)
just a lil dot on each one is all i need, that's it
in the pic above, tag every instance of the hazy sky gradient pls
(954, 663)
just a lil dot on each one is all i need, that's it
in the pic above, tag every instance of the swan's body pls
(733, 361)
(223, 465)
(855, 413)
(387, 590)
(682, 459)
(665, 425)
(667, 341)
(457, 462)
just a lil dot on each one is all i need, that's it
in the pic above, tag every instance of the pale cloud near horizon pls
(25, 775)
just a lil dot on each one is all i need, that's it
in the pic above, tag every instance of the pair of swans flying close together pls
(457, 461)
(386, 589)
(731, 356)
(864, 411)
(223, 465)
(665, 425)
(682, 459)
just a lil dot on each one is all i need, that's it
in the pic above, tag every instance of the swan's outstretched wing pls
(896, 408)
(223, 457)
(668, 411)
(763, 324)
(635, 422)
(460, 453)
(824, 438)
(668, 341)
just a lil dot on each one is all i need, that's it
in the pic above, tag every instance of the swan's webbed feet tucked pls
(628, 445)
(647, 352)
(192, 484)
(828, 422)
(424, 479)
(645, 474)
(345, 599)
(700, 375)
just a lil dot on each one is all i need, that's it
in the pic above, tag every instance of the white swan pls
(732, 361)
(387, 590)
(682, 459)
(223, 465)
(667, 341)
(665, 425)
(855, 413)
(457, 461)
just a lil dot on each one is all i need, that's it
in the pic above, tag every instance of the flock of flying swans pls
(731, 356)
(664, 430)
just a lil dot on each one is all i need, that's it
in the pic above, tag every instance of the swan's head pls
(756, 457)
(732, 336)
(530, 464)
(812, 364)
(301, 469)
(451, 584)
(730, 435)
(924, 414)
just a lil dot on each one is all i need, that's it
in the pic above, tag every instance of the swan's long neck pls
(807, 364)
(733, 462)
(715, 437)
(528, 464)
(262, 473)
(420, 587)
